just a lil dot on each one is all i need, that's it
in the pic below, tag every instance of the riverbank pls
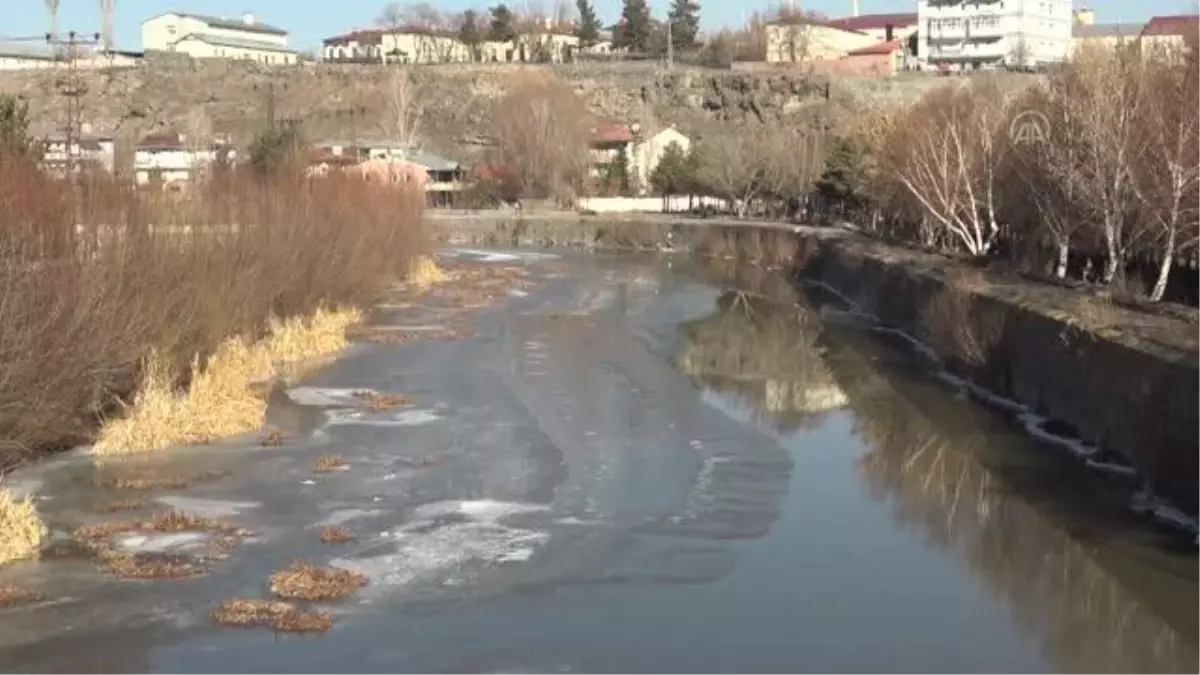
(1120, 379)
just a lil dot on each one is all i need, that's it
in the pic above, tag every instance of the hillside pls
(348, 101)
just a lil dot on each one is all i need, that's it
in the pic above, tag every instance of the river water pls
(628, 467)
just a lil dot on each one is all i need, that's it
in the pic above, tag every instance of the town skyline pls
(27, 20)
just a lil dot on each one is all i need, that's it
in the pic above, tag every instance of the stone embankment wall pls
(1122, 381)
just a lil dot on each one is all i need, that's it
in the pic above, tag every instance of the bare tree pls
(404, 107)
(1168, 170)
(947, 155)
(542, 127)
(1103, 91)
(731, 167)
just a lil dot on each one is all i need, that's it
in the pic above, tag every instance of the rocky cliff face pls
(347, 101)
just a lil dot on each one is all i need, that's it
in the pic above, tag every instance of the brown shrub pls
(957, 330)
(334, 534)
(302, 581)
(149, 565)
(281, 616)
(11, 596)
(328, 463)
(82, 308)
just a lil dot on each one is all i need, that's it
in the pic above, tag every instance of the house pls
(169, 159)
(884, 59)
(1170, 31)
(209, 37)
(798, 38)
(36, 56)
(642, 152)
(441, 178)
(357, 46)
(89, 152)
(974, 34)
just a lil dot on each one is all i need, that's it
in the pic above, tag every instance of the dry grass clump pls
(302, 581)
(425, 272)
(958, 329)
(21, 528)
(11, 596)
(335, 534)
(328, 463)
(121, 505)
(378, 402)
(273, 439)
(149, 565)
(220, 400)
(147, 481)
(178, 521)
(280, 616)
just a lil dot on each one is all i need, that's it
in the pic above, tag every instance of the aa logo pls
(1029, 128)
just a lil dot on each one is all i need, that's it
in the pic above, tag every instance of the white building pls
(37, 56)
(89, 152)
(207, 37)
(169, 159)
(974, 34)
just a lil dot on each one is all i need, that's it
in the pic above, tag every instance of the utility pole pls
(72, 86)
(670, 45)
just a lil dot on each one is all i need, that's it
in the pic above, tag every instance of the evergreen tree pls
(502, 29)
(841, 182)
(685, 23)
(14, 126)
(588, 30)
(670, 176)
(633, 31)
(274, 150)
(470, 34)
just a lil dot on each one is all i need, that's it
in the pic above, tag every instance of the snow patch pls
(406, 418)
(212, 508)
(162, 543)
(323, 397)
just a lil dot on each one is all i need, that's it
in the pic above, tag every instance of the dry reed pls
(21, 528)
(302, 581)
(280, 616)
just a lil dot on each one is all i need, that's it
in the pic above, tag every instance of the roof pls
(238, 43)
(1176, 24)
(370, 36)
(881, 48)
(875, 21)
(227, 24)
(168, 140)
(430, 161)
(805, 20)
(490, 172)
(1102, 30)
(612, 133)
(27, 50)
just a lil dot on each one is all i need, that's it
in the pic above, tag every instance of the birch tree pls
(947, 158)
(1167, 171)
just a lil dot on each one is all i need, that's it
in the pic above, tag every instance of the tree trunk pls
(1064, 256)
(1164, 269)
(1113, 264)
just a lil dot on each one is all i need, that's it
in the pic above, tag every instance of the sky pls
(321, 18)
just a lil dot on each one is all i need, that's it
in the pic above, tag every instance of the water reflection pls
(1097, 591)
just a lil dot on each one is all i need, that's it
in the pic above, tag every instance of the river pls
(627, 467)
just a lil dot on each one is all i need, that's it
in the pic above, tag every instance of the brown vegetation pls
(378, 402)
(11, 596)
(328, 463)
(21, 528)
(121, 505)
(302, 581)
(335, 534)
(162, 280)
(273, 439)
(148, 481)
(1094, 176)
(280, 616)
(149, 565)
(542, 127)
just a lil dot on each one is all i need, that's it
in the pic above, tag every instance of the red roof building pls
(611, 133)
(1181, 25)
(881, 48)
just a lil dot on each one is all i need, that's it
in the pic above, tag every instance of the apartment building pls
(208, 37)
(976, 34)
